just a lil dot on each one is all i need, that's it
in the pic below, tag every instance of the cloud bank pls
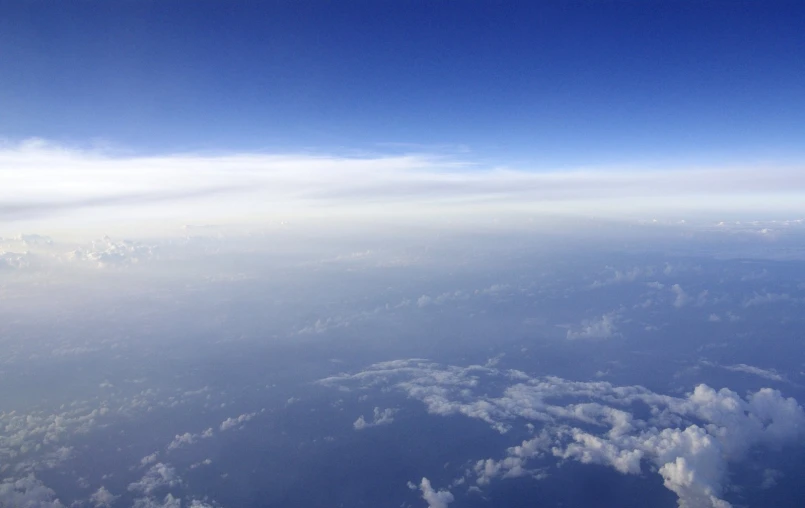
(689, 441)
(43, 180)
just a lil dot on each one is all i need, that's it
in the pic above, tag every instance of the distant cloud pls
(158, 476)
(689, 441)
(231, 423)
(56, 181)
(434, 498)
(102, 498)
(766, 298)
(769, 374)
(26, 492)
(600, 328)
(681, 298)
(381, 417)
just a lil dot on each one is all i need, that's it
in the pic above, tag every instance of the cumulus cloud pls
(601, 328)
(381, 417)
(102, 498)
(28, 492)
(187, 439)
(689, 440)
(231, 423)
(107, 253)
(158, 476)
(766, 298)
(434, 498)
(149, 459)
(681, 298)
(149, 502)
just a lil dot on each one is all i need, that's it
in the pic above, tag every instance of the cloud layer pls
(689, 440)
(38, 180)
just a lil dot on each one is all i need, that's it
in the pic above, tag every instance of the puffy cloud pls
(27, 492)
(766, 298)
(231, 423)
(434, 498)
(102, 498)
(187, 438)
(601, 328)
(149, 502)
(182, 440)
(107, 252)
(149, 459)
(689, 440)
(681, 298)
(381, 417)
(158, 476)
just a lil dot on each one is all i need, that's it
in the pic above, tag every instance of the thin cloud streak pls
(38, 179)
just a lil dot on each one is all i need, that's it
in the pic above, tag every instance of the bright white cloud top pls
(42, 182)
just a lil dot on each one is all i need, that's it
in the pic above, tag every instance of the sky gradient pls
(549, 85)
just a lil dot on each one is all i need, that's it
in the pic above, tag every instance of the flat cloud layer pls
(689, 440)
(39, 180)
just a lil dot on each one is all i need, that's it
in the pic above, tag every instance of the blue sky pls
(564, 84)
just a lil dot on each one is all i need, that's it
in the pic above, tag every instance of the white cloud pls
(689, 440)
(770, 374)
(231, 423)
(182, 440)
(149, 502)
(187, 439)
(434, 498)
(149, 459)
(601, 328)
(766, 298)
(72, 184)
(381, 417)
(158, 476)
(27, 492)
(681, 299)
(102, 498)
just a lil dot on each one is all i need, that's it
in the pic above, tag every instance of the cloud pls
(381, 417)
(601, 328)
(690, 441)
(681, 298)
(158, 476)
(56, 181)
(770, 374)
(107, 252)
(187, 439)
(231, 423)
(149, 502)
(28, 492)
(149, 459)
(102, 498)
(435, 499)
(766, 298)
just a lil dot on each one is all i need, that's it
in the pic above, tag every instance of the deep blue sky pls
(566, 83)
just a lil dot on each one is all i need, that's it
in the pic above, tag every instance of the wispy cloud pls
(38, 179)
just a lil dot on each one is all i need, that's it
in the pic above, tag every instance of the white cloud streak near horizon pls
(40, 180)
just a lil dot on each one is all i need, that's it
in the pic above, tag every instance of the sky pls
(442, 254)
(241, 111)
(547, 84)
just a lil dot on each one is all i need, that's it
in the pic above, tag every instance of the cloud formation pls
(46, 180)
(435, 498)
(380, 417)
(689, 440)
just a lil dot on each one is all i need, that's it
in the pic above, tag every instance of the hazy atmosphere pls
(402, 254)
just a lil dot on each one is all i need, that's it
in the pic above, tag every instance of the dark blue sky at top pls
(547, 83)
